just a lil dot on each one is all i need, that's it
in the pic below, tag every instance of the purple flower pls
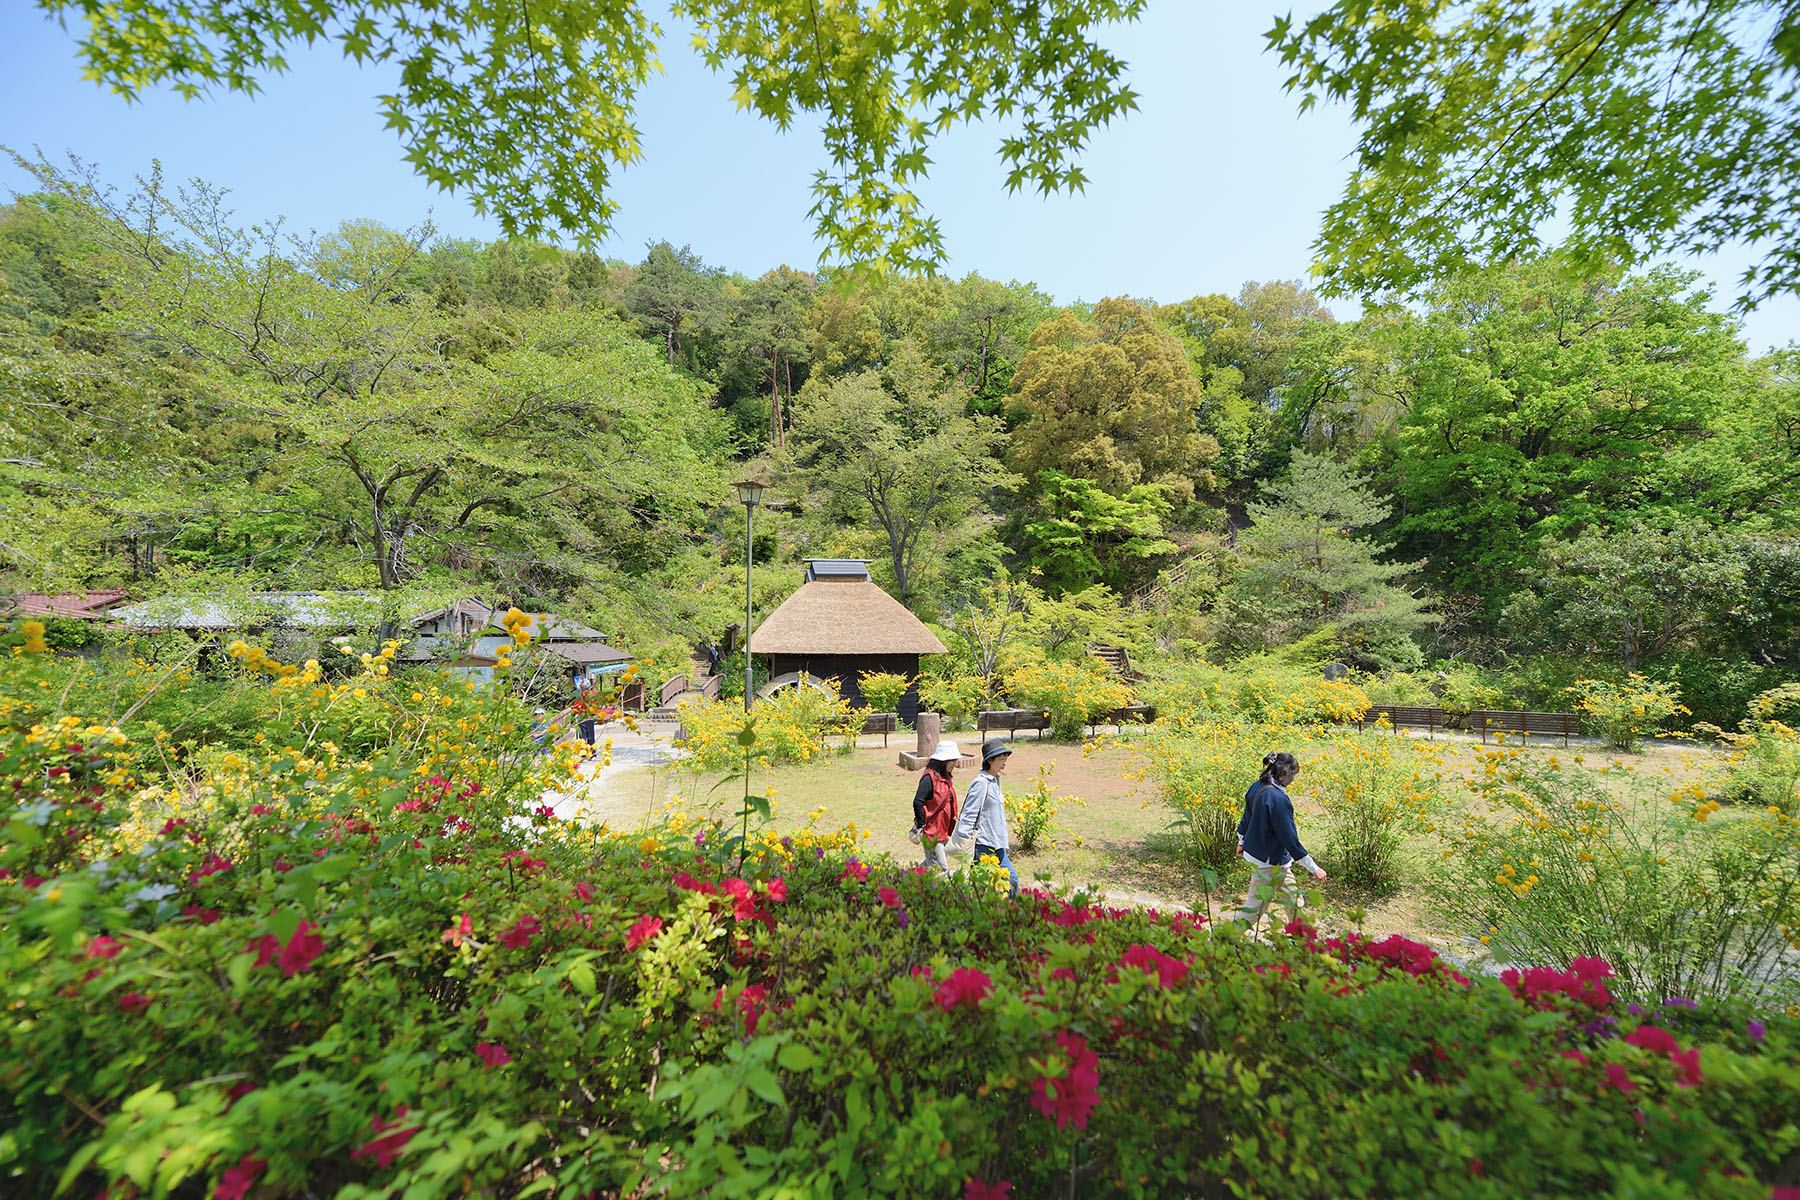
(1634, 1010)
(1679, 1002)
(787, 843)
(906, 920)
(700, 838)
(1601, 1027)
(1755, 1030)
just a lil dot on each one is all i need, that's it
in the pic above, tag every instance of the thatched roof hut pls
(839, 625)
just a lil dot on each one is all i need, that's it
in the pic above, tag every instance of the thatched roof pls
(842, 617)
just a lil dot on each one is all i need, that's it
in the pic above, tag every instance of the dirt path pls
(608, 793)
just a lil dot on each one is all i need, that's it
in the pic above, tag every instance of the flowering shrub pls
(883, 690)
(405, 975)
(1203, 774)
(1073, 693)
(958, 698)
(1625, 712)
(1553, 866)
(1292, 696)
(1031, 813)
(794, 725)
(1372, 789)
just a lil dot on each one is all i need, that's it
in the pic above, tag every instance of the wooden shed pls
(839, 625)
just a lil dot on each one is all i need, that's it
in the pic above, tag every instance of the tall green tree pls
(1080, 535)
(1307, 567)
(1646, 128)
(769, 325)
(1111, 400)
(901, 452)
(982, 331)
(676, 295)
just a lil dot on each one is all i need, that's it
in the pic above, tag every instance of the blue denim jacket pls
(984, 813)
(1267, 828)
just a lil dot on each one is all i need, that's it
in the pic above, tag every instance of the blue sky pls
(1214, 181)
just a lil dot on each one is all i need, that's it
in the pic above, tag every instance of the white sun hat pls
(946, 752)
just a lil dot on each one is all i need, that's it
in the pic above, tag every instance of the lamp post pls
(749, 495)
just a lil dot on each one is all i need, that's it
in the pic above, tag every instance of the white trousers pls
(936, 853)
(1266, 885)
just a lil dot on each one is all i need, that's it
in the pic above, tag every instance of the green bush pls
(1073, 693)
(1718, 688)
(957, 698)
(883, 690)
(1556, 863)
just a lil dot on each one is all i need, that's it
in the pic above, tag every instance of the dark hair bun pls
(1270, 757)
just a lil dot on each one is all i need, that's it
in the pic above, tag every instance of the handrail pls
(673, 688)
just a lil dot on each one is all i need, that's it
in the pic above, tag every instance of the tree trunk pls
(776, 435)
(669, 337)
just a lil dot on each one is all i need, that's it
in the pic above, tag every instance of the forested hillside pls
(1561, 472)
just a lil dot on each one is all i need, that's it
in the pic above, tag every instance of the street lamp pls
(749, 495)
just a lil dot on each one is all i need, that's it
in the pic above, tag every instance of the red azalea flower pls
(1150, 960)
(1576, 1057)
(523, 861)
(133, 1002)
(492, 1053)
(519, 936)
(1687, 1067)
(266, 948)
(304, 946)
(974, 1189)
(257, 810)
(456, 933)
(104, 947)
(282, 866)
(965, 988)
(1069, 1099)
(544, 810)
(1652, 1038)
(750, 1005)
(206, 916)
(1616, 1077)
(584, 892)
(1779, 1192)
(214, 865)
(854, 870)
(387, 1147)
(237, 1180)
(889, 897)
(645, 929)
(778, 890)
(238, 1091)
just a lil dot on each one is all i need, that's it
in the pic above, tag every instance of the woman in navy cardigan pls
(1269, 842)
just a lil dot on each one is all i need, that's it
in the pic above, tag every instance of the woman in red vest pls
(934, 805)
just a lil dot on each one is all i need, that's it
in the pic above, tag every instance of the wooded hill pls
(1535, 461)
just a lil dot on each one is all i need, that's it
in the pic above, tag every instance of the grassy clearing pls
(1112, 843)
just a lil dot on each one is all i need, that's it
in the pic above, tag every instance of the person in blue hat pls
(984, 810)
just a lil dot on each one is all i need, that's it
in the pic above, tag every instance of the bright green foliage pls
(1306, 568)
(1074, 692)
(1111, 400)
(398, 439)
(1088, 537)
(529, 110)
(769, 327)
(1541, 400)
(901, 452)
(1065, 626)
(1649, 128)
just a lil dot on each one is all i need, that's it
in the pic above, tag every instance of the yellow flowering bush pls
(958, 698)
(793, 725)
(1203, 774)
(1287, 696)
(1765, 766)
(1556, 862)
(1030, 815)
(1073, 693)
(1372, 789)
(883, 690)
(1625, 712)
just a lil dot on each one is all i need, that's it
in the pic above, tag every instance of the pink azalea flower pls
(1616, 1077)
(133, 1002)
(214, 865)
(965, 988)
(492, 1053)
(104, 947)
(1652, 1038)
(584, 892)
(645, 929)
(974, 1189)
(889, 897)
(1150, 960)
(302, 948)
(778, 891)
(750, 1005)
(205, 916)
(854, 870)
(1069, 1098)
(266, 948)
(237, 1180)
(519, 936)
(391, 1142)
(456, 933)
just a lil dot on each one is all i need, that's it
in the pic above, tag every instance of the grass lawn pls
(1109, 842)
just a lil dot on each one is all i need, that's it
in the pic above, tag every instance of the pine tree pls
(1306, 569)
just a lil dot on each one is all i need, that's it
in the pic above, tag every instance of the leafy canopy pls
(528, 109)
(1651, 128)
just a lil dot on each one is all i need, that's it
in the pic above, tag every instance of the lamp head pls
(750, 493)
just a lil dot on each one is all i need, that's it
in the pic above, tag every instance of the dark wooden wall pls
(845, 668)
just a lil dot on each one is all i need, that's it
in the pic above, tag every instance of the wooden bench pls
(1549, 724)
(1141, 714)
(882, 723)
(1429, 719)
(1012, 720)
